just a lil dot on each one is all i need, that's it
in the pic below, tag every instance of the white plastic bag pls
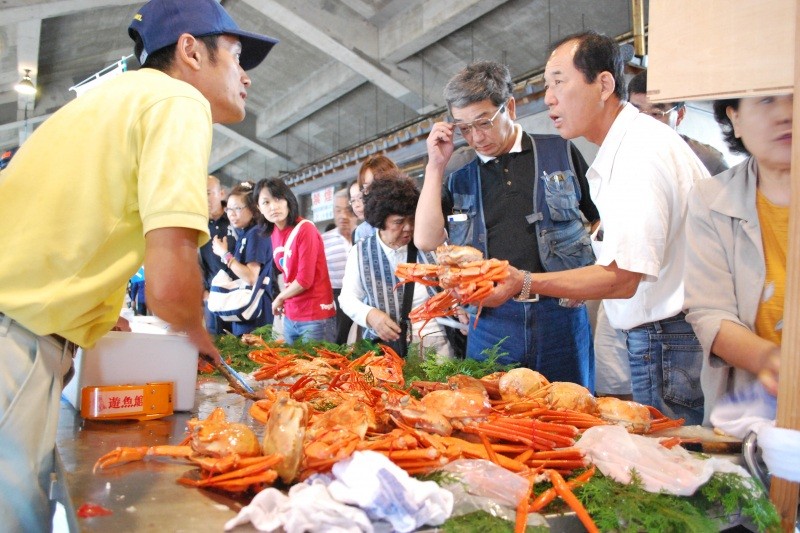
(483, 485)
(617, 453)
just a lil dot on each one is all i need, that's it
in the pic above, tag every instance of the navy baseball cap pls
(159, 23)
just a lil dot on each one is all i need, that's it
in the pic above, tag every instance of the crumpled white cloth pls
(308, 507)
(754, 409)
(386, 492)
(780, 450)
(380, 489)
(616, 453)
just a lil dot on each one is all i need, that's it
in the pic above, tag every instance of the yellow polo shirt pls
(79, 196)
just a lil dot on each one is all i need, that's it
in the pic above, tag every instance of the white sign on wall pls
(322, 204)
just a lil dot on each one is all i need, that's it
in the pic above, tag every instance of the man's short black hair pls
(638, 85)
(598, 53)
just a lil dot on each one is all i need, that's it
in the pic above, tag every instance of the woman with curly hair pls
(367, 288)
(253, 252)
(737, 234)
(306, 302)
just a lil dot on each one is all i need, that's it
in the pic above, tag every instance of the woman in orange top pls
(736, 255)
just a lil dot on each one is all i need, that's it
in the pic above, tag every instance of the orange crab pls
(228, 454)
(461, 271)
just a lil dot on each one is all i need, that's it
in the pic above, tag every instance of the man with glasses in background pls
(521, 199)
(338, 242)
(218, 226)
(672, 114)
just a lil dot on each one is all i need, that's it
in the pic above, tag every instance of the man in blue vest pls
(520, 199)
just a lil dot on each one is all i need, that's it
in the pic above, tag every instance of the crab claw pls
(120, 456)
(124, 455)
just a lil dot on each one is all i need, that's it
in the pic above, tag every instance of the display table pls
(144, 495)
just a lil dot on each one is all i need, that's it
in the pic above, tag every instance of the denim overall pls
(544, 336)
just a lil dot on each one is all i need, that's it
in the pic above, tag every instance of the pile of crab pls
(319, 408)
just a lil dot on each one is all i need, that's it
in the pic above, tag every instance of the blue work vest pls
(378, 280)
(563, 240)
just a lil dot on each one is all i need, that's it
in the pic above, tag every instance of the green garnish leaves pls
(483, 522)
(629, 508)
(432, 368)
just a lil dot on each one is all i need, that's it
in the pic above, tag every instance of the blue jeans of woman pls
(543, 336)
(311, 330)
(666, 359)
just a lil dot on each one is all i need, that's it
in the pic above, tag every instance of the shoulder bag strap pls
(408, 297)
(408, 288)
(287, 246)
(294, 233)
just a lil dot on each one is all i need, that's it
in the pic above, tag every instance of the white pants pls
(438, 342)
(611, 365)
(31, 377)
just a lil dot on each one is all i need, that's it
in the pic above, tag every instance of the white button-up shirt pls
(640, 182)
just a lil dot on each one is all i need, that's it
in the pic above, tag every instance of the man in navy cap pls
(114, 179)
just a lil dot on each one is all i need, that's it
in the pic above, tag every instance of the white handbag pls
(233, 300)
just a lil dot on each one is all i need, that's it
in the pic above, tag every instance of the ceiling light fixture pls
(25, 85)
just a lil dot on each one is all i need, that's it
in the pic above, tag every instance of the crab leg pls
(563, 491)
(522, 510)
(471, 449)
(544, 499)
(489, 451)
(258, 467)
(240, 485)
(122, 455)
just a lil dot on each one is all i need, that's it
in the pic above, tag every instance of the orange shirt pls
(774, 222)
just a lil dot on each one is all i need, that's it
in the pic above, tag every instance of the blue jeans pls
(543, 336)
(666, 359)
(214, 325)
(311, 330)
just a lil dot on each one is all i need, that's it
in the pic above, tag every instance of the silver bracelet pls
(525, 293)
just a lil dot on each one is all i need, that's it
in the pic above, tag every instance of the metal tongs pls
(235, 379)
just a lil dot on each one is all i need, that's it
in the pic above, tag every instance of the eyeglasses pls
(483, 124)
(236, 210)
(658, 113)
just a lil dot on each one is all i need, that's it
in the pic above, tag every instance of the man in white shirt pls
(639, 182)
(337, 244)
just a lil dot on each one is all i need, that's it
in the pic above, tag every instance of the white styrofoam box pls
(126, 358)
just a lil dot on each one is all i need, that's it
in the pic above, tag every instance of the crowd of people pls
(662, 337)
(334, 286)
(690, 268)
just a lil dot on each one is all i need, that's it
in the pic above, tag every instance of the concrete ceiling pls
(349, 77)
